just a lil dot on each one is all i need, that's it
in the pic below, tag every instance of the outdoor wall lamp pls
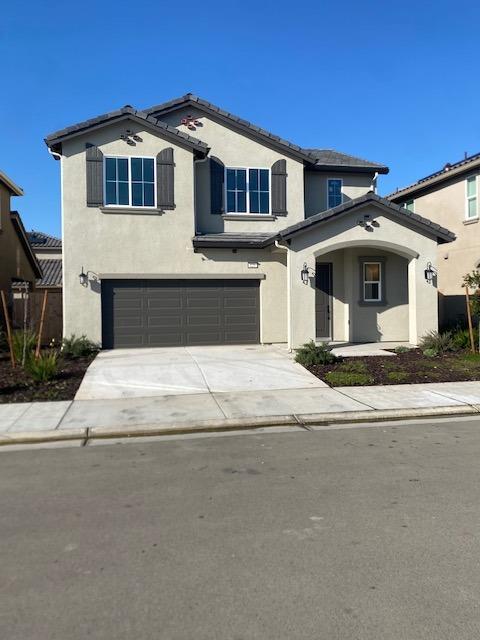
(83, 277)
(306, 272)
(430, 273)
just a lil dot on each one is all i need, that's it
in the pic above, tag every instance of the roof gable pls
(233, 121)
(413, 219)
(54, 140)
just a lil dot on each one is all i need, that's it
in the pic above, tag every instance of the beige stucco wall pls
(446, 205)
(237, 150)
(45, 254)
(354, 185)
(405, 280)
(154, 244)
(13, 260)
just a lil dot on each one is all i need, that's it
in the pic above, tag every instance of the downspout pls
(374, 182)
(289, 302)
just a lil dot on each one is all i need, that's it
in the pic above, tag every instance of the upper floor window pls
(472, 199)
(334, 193)
(248, 190)
(130, 182)
(410, 205)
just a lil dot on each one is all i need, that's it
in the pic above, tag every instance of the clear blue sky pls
(394, 82)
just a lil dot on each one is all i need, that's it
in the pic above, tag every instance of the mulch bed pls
(17, 386)
(403, 368)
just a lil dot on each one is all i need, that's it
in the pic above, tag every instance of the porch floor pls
(352, 349)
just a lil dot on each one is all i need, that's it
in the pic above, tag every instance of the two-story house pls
(17, 260)
(450, 197)
(184, 225)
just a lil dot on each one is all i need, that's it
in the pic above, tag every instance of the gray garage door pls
(158, 313)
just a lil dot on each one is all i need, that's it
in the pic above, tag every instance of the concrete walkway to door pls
(173, 371)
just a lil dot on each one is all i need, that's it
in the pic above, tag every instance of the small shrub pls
(439, 342)
(461, 339)
(21, 338)
(353, 366)
(397, 376)
(74, 347)
(310, 354)
(430, 352)
(43, 368)
(347, 379)
(401, 349)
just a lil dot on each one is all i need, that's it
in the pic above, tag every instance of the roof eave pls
(423, 187)
(442, 235)
(54, 141)
(22, 235)
(339, 168)
(11, 186)
(242, 125)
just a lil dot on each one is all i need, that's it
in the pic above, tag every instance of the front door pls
(323, 300)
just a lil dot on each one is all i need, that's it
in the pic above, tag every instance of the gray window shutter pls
(165, 179)
(279, 188)
(217, 183)
(94, 163)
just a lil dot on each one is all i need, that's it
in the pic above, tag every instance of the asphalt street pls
(362, 534)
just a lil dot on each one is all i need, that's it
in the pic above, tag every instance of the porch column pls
(422, 301)
(412, 301)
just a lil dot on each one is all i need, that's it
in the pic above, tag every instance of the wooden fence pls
(52, 328)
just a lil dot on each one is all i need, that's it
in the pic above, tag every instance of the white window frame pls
(379, 281)
(469, 198)
(341, 191)
(407, 202)
(247, 212)
(129, 205)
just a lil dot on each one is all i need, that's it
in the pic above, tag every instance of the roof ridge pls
(448, 167)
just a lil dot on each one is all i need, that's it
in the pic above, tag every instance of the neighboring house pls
(185, 225)
(450, 197)
(17, 260)
(48, 251)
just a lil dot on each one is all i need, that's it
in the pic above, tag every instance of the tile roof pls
(40, 240)
(328, 158)
(436, 177)
(55, 139)
(442, 234)
(52, 273)
(193, 100)
(233, 240)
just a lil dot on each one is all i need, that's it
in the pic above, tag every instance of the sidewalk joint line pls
(365, 404)
(206, 383)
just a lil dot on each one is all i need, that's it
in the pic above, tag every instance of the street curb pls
(304, 421)
(372, 415)
(33, 437)
(201, 426)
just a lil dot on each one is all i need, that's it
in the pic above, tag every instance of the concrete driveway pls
(132, 373)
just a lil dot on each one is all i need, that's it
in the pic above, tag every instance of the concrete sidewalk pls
(80, 419)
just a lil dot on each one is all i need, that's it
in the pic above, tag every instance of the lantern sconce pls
(430, 273)
(306, 273)
(84, 277)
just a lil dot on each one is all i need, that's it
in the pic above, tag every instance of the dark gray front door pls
(323, 300)
(159, 313)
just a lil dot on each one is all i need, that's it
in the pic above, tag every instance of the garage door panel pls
(179, 312)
